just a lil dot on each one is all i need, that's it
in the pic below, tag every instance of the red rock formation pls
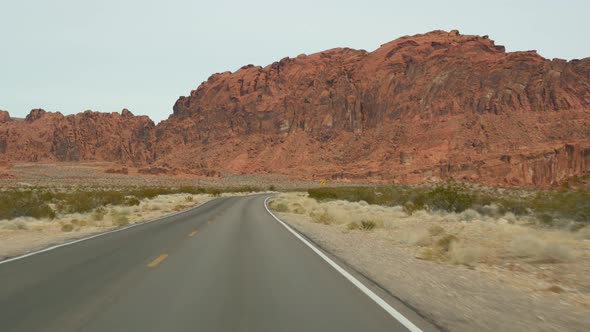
(421, 108)
(426, 107)
(4, 116)
(89, 135)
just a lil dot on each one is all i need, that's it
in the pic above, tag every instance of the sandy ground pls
(21, 235)
(498, 275)
(59, 174)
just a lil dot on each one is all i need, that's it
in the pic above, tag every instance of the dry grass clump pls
(461, 253)
(99, 213)
(322, 218)
(364, 225)
(279, 206)
(435, 230)
(14, 225)
(119, 217)
(583, 233)
(538, 250)
(79, 222)
(67, 227)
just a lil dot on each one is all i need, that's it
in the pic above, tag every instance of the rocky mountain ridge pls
(421, 108)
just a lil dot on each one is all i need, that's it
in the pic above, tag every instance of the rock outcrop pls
(421, 108)
(426, 107)
(4, 116)
(47, 136)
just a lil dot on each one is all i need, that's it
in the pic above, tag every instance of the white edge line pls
(149, 221)
(390, 310)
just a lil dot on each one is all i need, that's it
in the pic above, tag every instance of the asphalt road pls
(227, 265)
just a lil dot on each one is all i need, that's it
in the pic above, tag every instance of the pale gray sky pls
(72, 55)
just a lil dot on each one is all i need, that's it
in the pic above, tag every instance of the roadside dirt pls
(495, 293)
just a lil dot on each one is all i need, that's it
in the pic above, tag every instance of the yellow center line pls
(157, 261)
(193, 233)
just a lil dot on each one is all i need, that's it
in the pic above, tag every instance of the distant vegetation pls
(46, 203)
(546, 205)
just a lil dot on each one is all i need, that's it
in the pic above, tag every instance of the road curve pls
(227, 265)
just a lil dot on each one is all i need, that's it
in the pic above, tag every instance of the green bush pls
(451, 198)
(27, 203)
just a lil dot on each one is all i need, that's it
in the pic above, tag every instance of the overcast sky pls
(73, 55)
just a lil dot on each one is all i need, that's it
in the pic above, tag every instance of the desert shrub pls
(26, 203)
(244, 189)
(430, 254)
(444, 243)
(119, 219)
(188, 198)
(554, 252)
(179, 207)
(435, 230)
(272, 187)
(215, 192)
(322, 218)
(131, 201)
(42, 211)
(583, 233)
(411, 207)
(574, 205)
(451, 198)
(535, 249)
(352, 226)
(297, 208)
(545, 219)
(462, 254)
(15, 225)
(367, 225)
(79, 223)
(191, 190)
(67, 227)
(99, 213)
(279, 207)
(155, 207)
(517, 207)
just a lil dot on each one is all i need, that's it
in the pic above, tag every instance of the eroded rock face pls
(89, 135)
(421, 108)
